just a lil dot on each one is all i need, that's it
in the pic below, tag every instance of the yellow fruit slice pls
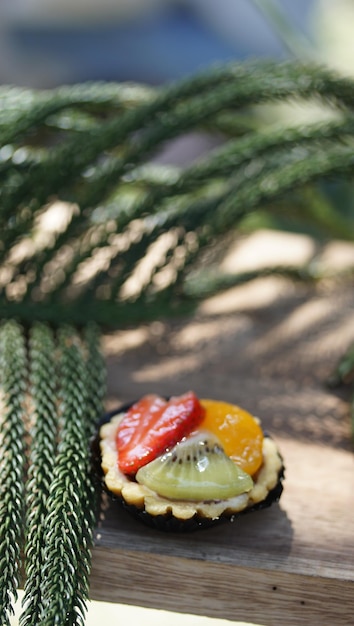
(238, 432)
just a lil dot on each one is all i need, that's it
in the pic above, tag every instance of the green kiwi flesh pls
(197, 468)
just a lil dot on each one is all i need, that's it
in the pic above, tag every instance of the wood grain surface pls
(270, 347)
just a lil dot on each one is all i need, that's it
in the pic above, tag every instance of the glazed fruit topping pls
(153, 425)
(239, 433)
(197, 468)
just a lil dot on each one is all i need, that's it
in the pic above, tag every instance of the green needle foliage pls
(52, 389)
(91, 146)
(68, 529)
(44, 383)
(97, 232)
(12, 455)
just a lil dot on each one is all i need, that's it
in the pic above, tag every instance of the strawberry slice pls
(152, 425)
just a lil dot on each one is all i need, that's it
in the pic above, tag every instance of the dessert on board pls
(186, 462)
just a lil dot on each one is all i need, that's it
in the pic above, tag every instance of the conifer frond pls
(44, 385)
(175, 110)
(64, 399)
(24, 110)
(13, 367)
(103, 171)
(70, 516)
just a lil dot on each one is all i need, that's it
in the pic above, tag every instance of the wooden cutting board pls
(293, 563)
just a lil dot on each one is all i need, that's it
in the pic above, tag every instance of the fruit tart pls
(184, 463)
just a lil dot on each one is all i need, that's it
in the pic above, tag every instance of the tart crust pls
(143, 499)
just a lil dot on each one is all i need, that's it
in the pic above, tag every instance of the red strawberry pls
(152, 425)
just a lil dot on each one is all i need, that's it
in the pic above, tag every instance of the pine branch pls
(259, 151)
(221, 163)
(207, 198)
(207, 283)
(211, 217)
(44, 382)
(255, 148)
(225, 210)
(95, 377)
(246, 85)
(271, 185)
(70, 515)
(12, 455)
(256, 87)
(24, 110)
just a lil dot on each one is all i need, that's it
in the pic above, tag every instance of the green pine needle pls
(12, 454)
(101, 170)
(70, 504)
(64, 400)
(44, 382)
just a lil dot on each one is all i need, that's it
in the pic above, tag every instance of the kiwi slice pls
(197, 468)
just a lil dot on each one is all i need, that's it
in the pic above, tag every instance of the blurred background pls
(44, 43)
